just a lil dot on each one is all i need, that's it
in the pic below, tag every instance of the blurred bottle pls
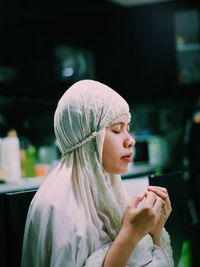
(30, 161)
(10, 157)
(28, 157)
(27, 154)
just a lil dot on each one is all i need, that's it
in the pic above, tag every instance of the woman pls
(82, 215)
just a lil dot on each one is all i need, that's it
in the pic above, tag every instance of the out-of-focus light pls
(73, 64)
(67, 72)
(197, 117)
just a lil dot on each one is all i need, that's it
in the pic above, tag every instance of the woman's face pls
(118, 146)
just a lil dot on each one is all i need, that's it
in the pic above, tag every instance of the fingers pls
(158, 187)
(150, 199)
(153, 205)
(166, 210)
(155, 199)
(162, 193)
(137, 199)
(158, 190)
(158, 206)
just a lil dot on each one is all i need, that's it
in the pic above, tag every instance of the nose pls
(129, 141)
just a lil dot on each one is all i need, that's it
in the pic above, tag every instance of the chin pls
(123, 171)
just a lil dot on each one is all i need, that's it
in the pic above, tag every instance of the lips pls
(128, 157)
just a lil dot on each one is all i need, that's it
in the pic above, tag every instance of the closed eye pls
(116, 132)
(117, 128)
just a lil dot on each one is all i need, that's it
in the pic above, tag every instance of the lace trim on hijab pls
(82, 142)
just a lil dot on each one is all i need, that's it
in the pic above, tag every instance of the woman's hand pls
(141, 216)
(161, 193)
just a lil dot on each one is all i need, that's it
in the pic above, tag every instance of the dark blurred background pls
(147, 50)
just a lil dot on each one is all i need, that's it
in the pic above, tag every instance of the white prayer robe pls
(57, 233)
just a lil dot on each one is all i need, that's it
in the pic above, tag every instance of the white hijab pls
(80, 120)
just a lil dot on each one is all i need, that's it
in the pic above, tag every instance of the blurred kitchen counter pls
(134, 172)
(21, 184)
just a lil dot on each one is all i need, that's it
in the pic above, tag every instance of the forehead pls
(122, 119)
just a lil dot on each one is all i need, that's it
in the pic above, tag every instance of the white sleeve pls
(97, 258)
(145, 254)
(166, 247)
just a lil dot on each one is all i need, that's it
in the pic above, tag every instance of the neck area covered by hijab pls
(81, 116)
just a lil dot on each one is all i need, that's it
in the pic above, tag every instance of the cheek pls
(110, 154)
(110, 146)
(106, 150)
